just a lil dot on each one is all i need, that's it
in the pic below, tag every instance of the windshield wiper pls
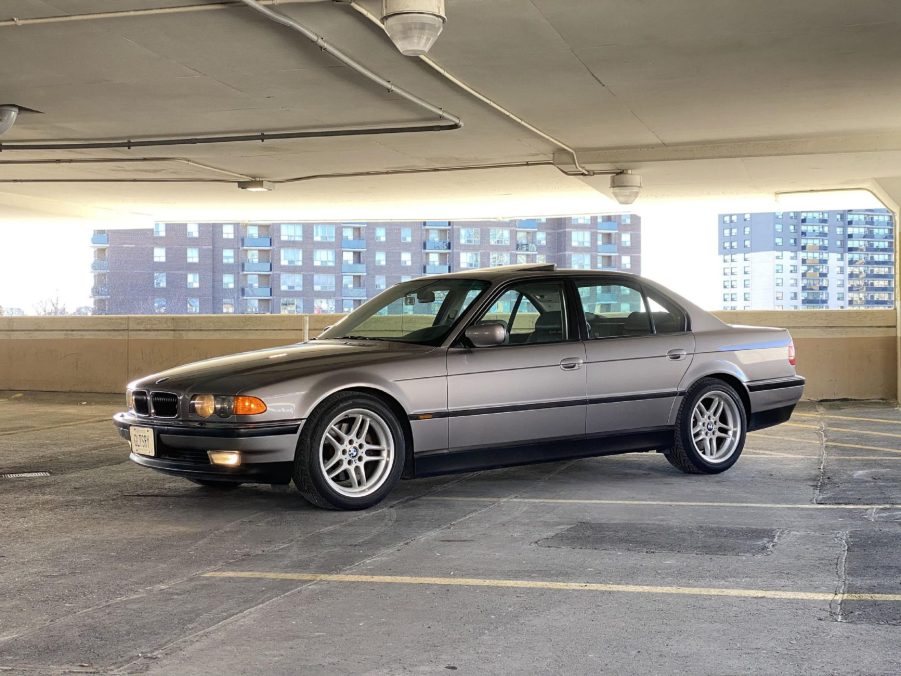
(360, 338)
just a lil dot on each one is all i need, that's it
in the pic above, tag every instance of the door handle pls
(571, 364)
(677, 354)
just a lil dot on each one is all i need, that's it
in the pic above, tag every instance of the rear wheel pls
(351, 453)
(710, 429)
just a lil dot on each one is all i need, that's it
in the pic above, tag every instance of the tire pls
(218, 485)
(350, 454)
(709, 441)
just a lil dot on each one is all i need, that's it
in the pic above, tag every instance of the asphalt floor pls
(790, 562)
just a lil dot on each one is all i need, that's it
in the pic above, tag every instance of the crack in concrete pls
(821, 470)
(836, 612)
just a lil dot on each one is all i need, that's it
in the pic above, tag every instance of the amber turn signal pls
(249, 406)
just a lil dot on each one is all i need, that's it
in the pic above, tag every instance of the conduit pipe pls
(126, 160)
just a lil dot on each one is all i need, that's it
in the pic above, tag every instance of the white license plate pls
(142, 441)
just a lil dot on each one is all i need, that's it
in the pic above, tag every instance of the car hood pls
(245, 371)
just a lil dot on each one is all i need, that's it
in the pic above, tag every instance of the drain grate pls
(23, 475)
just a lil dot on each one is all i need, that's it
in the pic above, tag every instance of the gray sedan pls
(466, 371)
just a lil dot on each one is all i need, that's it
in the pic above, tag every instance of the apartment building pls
(807, 260)
(292, 268)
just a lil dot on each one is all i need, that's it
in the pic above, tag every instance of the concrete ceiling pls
(705, 100)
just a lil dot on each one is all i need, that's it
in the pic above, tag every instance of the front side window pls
(420, 311)
(531, 312)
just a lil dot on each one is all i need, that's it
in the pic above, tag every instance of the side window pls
(614, 310)
(667, 317)
(532, 312)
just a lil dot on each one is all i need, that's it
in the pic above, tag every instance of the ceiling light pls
(256, 185)
(625, 186)
(413, 25)
(8, 115)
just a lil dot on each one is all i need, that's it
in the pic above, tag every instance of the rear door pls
(637, 350)
(529, 389)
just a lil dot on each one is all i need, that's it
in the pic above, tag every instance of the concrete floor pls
(789, 562)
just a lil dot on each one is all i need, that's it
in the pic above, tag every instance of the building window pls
(228, 232)
(323, 282)
(228, 307)
(193, 280)
(499, 236)
(193, 230)
(324, 306)
(228, 281)
(625, 239)
(581, 261)
(625, 262)
(291, 256)
(159, 305)
(541, 238)
(159, 254)
(581, 220)
(193, 254)
(406, 258)
(779, 269)
(228, 255)
(193, 307)
(324, 233)
(406, 234)
(381, 258)
(747, 244)
(381, 282)
(323, 257)
(292, 232)
(581, 238)
(381, 235)
(292, 282)
(470, 259)
(470, 236)
(499, 258)
(159, 280)
(159, 229)
(290, 306)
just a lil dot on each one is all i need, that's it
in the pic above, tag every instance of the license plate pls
(142, 441)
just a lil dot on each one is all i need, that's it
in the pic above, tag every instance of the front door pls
(529, 389)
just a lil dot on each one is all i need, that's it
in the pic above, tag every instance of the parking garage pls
(244, 112)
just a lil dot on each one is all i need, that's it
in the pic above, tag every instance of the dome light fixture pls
(256, 185)
(8, 116)
(413, 25)
(625, 186)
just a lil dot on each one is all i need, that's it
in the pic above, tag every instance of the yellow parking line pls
(763, 435)
(662, 503)
(758, 455)
(871, 433)
(562, 586)
(809, 427)
(865, 448)
(846, 417)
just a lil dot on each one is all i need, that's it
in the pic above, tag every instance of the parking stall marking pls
(761, 435)
(560, 586)
(893, 435)
(846, 417)
(661, 503)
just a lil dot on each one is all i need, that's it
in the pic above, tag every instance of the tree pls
(50, 307)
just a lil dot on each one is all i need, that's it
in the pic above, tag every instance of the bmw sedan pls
(468, 371)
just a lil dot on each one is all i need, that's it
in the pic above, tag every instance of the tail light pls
(791, 354)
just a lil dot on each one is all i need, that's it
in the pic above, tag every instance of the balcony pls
(437, 245)
(814, 286)
(353, 244)
(100, 240)
(257, 242)
(527, 224)
(814, 301)
(353, 268)
(436, 224)
(353, 292)
(99, 292)
(256, 267)
(435, 269)
(257, 291)
(607, 248)
(100, 266)
(526, 247)
(608, 226)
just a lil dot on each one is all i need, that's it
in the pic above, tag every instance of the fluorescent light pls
(256, 185)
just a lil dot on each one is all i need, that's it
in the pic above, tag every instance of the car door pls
(637, 350)
(528, 389)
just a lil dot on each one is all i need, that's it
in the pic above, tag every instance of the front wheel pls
(710, 429)
(351, 453)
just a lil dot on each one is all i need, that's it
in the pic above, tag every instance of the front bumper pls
(267, 449)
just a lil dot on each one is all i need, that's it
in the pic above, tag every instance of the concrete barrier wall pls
(843, 353)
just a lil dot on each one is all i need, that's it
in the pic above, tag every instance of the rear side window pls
(668, 318)
(614, 310)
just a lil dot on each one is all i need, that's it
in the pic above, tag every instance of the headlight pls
(130, 400)
(206, 405)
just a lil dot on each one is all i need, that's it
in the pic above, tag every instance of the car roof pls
(538, 270)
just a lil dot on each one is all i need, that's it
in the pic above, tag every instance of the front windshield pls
(422, 311)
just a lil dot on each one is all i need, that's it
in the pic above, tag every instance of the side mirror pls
(489, 334)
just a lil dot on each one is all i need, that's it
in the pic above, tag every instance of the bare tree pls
(50, 307)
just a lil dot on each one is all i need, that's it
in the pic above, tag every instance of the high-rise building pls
(807, 260)
(288, 268)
